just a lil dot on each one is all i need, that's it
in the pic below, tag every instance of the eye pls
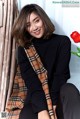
(37, 20)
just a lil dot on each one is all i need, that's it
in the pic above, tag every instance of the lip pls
(37, 32)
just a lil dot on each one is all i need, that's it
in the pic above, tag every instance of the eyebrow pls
(33, 19)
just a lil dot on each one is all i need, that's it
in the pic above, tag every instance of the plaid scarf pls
(18, 95)
(39, 69)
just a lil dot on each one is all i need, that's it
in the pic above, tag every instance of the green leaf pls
(76, 53)
(78, 49)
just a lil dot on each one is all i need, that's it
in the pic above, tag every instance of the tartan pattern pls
(38, 67)
(13, 114)
(16, 101)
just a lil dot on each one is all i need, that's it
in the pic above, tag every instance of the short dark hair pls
(19, 28)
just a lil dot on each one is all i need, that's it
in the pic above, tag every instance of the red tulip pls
(75, 36)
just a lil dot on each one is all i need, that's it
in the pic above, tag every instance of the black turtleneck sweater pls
(55, 55)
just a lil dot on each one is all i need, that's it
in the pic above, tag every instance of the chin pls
(38, 36)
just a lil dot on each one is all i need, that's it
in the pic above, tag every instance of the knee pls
(68, 89)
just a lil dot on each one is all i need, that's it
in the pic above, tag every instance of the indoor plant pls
(76, 38)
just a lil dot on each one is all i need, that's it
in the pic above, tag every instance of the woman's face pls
(35, 25)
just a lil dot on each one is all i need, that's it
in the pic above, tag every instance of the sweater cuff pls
(38, 101)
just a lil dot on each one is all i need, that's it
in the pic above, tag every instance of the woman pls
(33, 26)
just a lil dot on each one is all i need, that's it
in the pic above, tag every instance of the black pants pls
(70, 98)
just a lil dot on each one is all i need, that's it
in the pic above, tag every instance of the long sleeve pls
(61, 71)
(35, 92)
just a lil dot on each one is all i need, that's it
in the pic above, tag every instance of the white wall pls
(66, 20)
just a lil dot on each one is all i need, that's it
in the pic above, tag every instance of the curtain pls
(8, 13)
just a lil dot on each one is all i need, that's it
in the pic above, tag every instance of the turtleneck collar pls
(40, 40)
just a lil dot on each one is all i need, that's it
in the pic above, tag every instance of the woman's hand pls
(54, 110)
(43, 115)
